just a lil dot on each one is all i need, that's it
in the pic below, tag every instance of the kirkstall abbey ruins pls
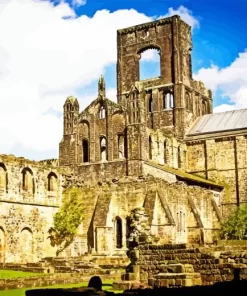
(159, 147)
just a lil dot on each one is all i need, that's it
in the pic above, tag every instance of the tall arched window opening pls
(102, 112)
(26, 241)
(150, 105)
(204, 107)
(103, 149)
(150, 146)
(149, 64)
(121, 146)
(188, 102)
(52, 182)
(119, 233)
(179, 158)
(165, 152)
(168, 101)
(27, 180)
(85, 150)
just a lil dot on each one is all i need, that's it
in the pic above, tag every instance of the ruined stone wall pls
(173, 100)
(166, 149)
(177, 213)
(25, 231)
(224, 160)
(214, 265)
(98, 136)
(30, 194)
(133, 41)
(105, 171)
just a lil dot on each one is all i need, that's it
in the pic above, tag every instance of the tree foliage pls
(235, 226)
(66, 221)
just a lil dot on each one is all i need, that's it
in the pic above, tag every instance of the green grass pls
(8, 274)
(107, 285)
(13, 274)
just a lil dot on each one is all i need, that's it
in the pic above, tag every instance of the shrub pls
(235, 226)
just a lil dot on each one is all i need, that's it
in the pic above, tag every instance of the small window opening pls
(179, 158)
(168, 102)
(103, 149)
(27, 181)
(150, 105)
(52, 182)
(119, 235)
(165, 152)
(121, 146)
(150, 148)
(204, 108)
(85, 150)
(102, 112)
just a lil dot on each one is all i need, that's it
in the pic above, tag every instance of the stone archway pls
(26, 242)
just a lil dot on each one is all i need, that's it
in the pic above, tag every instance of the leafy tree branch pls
(66, 221)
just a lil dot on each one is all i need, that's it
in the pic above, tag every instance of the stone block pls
(187, 282)
(129, 277)
(175, 268)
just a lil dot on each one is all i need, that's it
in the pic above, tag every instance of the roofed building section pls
(183, 176)
(219, 122)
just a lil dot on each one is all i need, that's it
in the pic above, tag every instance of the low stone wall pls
(213, 264)
(51, 280)
(229, 288)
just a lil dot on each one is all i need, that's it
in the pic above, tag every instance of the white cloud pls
(231, 81)
(78, 3)
(46, 54)
(185, 14)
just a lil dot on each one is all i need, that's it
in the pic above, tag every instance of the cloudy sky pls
(52, 49)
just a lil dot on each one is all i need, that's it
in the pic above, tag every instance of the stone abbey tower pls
(148, 113)
(159, 147)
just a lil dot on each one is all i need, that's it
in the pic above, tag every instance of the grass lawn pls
(107, 284)
(13, 274)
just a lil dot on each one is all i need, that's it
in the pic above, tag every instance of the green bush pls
(66, 221)
(235, 226)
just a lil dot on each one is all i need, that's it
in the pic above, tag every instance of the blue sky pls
(52, 49)
(218, 40)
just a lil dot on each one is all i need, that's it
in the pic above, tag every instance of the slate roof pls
(220, 122)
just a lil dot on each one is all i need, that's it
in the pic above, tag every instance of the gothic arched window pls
(102, 112)
(103, 148)
(52, 182)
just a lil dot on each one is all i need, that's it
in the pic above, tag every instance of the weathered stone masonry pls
(30, 194)
(143, 151)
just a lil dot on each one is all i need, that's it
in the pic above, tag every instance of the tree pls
(235, 226)
(66, 221)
